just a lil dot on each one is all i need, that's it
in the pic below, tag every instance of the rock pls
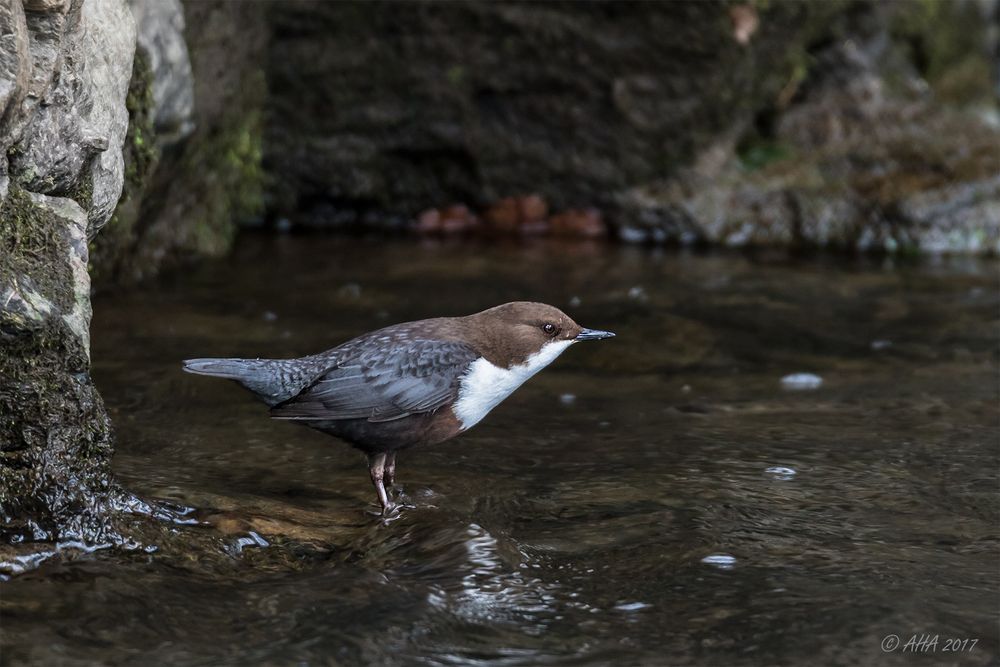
(55, 473)
(193, 155)
(207, 182)
(659, 215)
(67, 67)
(453, 219)
(573, 101)
(745, 22)
(532, 209)
(526, 215)
(73, 223)
(45, 5)
(580, 223)
(457, 218)
(160, 32)
(15, 70)
(958, 217)
(854, 164)
(503, 216)
(74, 140)
(428, 222)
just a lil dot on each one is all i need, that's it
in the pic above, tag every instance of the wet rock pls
(55, 436)
(67, 66)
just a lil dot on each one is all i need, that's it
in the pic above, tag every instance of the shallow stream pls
(661, 498)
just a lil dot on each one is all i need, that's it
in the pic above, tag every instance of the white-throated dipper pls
(416, 383)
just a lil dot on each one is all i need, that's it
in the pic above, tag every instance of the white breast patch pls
(484, 385)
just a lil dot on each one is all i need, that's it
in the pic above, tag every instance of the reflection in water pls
(662, 499)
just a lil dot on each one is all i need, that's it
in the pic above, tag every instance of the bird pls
(411, 384)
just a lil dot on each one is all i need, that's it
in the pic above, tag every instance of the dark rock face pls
(395, 106)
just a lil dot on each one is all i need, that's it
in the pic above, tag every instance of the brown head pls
(509, 334)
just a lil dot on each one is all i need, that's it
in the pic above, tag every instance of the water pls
(659, 498)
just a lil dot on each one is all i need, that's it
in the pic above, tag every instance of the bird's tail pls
(232, 369)
(272, 380)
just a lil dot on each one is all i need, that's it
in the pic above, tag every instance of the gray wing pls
(418, 376)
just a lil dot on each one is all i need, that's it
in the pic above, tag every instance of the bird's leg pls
(390, 469)
(376, 466)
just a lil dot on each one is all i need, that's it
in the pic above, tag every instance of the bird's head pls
(519, 331)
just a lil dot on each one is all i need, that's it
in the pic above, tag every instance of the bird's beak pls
(593, 334)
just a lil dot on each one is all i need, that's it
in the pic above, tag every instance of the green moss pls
(84, 192)
(229, 156)
(32, 243)
(109, 248)
(758, 153)
(55, 438)
(456, 75)
(947, 43)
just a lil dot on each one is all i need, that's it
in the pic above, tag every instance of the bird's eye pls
(549, 328)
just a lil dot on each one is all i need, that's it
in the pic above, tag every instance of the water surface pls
(659, 498)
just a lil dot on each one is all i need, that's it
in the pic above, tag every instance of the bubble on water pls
(721, 561)
(780, 472)
(801, 381)
(632, 606)
(567, 399)
(574, 301)
(270, 316)
(881, 344)
(637, 293)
